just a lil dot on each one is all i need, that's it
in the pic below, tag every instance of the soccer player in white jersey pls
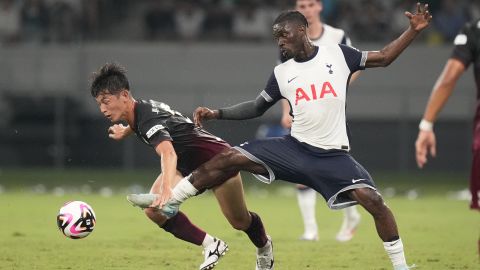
(316, 153)
(319, 34)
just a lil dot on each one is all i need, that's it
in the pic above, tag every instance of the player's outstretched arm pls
(119, 131)
(418, 21)
(245, 110)
(426, 141)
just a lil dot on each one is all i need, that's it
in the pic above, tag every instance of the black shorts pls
(329, 172)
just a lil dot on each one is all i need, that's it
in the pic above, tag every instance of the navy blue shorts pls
(329, 172)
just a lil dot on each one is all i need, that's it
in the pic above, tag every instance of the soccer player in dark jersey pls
(182, 147)
(466, 52)
(315, 154)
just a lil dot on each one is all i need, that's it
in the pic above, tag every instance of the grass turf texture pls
(438, 233)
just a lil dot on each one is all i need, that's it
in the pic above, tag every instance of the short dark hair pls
(291, 16)
(110, 78)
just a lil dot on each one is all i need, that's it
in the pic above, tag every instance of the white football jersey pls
(331, 35)
(316, 90)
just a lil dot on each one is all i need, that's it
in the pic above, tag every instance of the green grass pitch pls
(438, 233)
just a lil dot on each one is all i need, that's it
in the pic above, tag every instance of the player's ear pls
(125, 93)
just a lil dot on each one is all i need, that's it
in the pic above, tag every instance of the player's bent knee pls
(154, 215)
(231, 158)
(369, 198)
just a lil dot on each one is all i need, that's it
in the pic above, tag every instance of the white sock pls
(351, 213)
(395, 252)
(307, 199)
(207, 240)
(184, 190)
(265, 249)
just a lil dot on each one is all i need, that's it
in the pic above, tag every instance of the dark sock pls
(256, 231)
(181, 227)
(394, 238)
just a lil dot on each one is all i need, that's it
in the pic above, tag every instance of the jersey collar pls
(309, 58)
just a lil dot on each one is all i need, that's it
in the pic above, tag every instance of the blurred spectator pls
(449, 19)
(64, 21)
(90, 19)
(9, 21)
(398, 21)
(345, 18)
(273, 8)
(473, 9)
(160, 21)
(34, 21)
(373, 22)
(250, 22)
(77, 20)
(218, 21)
(189, 19)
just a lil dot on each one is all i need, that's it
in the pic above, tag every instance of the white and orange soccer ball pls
(76, 219)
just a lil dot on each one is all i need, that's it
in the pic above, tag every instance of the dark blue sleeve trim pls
(272, 88)
(353, 57)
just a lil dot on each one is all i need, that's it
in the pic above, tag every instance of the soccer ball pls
(76, 219)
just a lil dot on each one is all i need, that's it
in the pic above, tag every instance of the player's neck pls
(130, 112)
(315, 30)
(306, 53)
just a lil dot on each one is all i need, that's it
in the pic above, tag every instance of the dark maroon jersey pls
(467, 50)
(156, 122)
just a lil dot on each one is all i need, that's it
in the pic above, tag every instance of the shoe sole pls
(132, 198)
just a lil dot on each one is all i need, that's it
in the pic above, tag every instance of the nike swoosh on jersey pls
(292, 79)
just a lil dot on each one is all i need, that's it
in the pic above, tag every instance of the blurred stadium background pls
(189, 53)
(214, 53)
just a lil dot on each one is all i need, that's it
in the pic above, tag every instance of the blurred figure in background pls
(189, 19)
(64, 22)
(320, 34)
(160, 21)
(250, 22)
(90, 19)
(449, 19)
(34, 21)
(219, 20)
(466, 52)
(9, 21)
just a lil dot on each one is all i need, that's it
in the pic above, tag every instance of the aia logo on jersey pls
(302, 95)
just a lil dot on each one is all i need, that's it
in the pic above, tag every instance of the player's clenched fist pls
(203, 113)
(119, 131)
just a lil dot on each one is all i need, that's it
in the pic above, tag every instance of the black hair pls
(110, 78)
(291, 16)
